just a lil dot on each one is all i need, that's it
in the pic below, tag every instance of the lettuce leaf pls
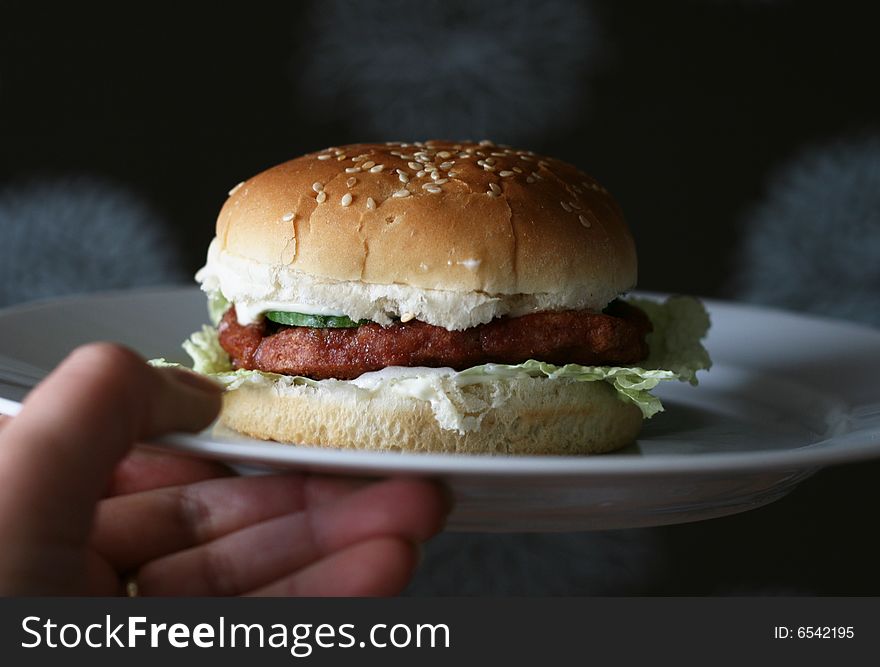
(204, 349)
(677, 353)
(680, 324)
(217, 306)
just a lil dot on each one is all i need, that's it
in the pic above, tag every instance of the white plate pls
(787, 395)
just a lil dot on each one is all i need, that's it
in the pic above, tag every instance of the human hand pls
(181, 526)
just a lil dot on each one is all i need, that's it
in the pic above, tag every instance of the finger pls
(133, 529)
(144, 470)
(377, 567)
(248, 559)
(56, 456)
(4, 420)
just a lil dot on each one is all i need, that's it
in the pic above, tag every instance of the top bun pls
(495, 222)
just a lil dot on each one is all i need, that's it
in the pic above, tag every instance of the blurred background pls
(741, 137)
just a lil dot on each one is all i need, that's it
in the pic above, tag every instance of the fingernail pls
(196, 380)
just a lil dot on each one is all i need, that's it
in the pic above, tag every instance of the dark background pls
(691, 105)
(741, 138)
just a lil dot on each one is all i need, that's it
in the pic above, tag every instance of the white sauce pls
(255, 287)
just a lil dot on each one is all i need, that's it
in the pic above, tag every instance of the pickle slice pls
(317, 321)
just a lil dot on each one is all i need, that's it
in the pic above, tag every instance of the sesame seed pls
(584, 221)
(498, 154)
(430, 168)
(351, 181)
(444, 154)
(413, 165)
(435, 175)
(492, 193)
(504, 173)
(430, 187)
(446, 165)
(322, 197)
(324, 157)
(317, 186)
(403, 177)
(401, 172)
(377, 168)
(530, 179)
(401, 193)
(486, 142)
(338, 152)
(406, 317)
(441, 181)
(287, 217)
(488, 167)
(494, 187)
(235, 189)
(575, 205)
(341, 158)
(490, 160)
(518, 170)
(537, 176)
(419, 174)
(368, 164)
(525, 157)
(464, 155)
(565, 207)
(371, 203)
(452, 174)
(346, 199)
(360, 157)
(352, 170)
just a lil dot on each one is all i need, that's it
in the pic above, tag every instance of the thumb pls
(57, 455)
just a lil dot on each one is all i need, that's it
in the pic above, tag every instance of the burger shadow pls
(676, 423)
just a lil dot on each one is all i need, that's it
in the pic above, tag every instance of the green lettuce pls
(204, 349)
(217, 306)
(677, 353)
(680, 324)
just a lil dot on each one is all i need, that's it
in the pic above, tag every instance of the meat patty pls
(615, 337)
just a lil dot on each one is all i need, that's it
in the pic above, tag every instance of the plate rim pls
(856, 445)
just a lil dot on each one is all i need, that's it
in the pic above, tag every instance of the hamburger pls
(435, 297)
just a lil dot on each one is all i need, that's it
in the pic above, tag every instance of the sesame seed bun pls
(369, 231)
(452, 234)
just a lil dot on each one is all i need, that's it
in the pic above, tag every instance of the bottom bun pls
(523, 415)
